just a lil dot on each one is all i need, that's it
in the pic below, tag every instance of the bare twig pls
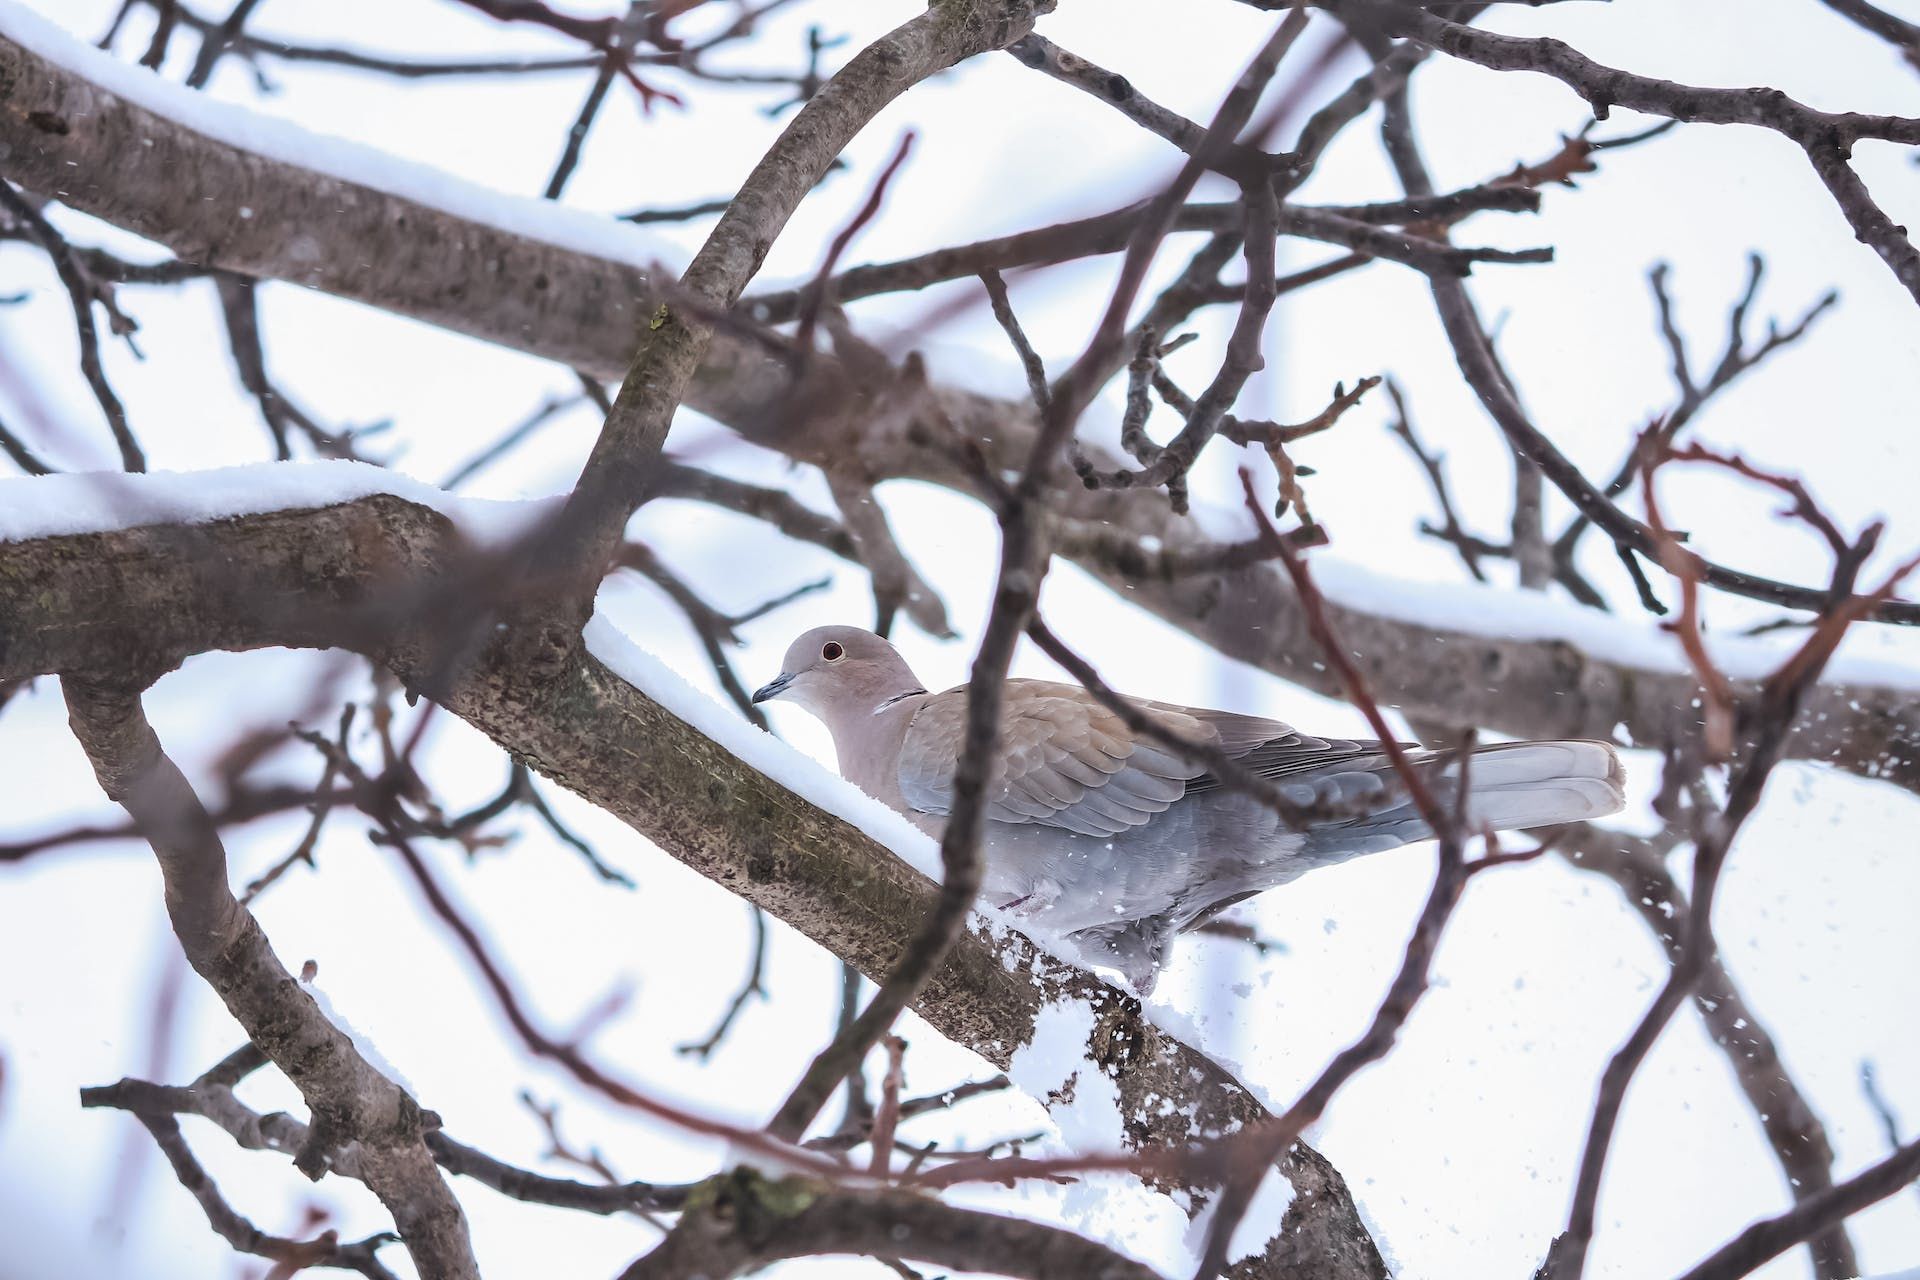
(168, 13)
(1694, 393)
(897, 585)
(886, 1116)
(1777, 703)
(577, 132)
(548, 1114)
(1010, 325)
(216, 41)
(753, 986)
(776, 507)
(677, 213)
(714, 628)
(1471, 548)
(322, 806)
(82, 292)
(1774, 1236)
(23, 457)
(240, 306)
(1826, 137)
(1795, 1132)
(350, 1100)
(818, 294)
(324, 1250)
(1247, 164)
(1898, 32)
(211, 1097)
(1882, 1109)
(1107, 233)
(549, 409)
(570, 1056)
(604, 34)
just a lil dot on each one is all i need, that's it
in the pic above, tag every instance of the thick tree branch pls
(354, 575)
(151, 175)
(743, 1221)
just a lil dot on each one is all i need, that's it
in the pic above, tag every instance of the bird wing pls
(1272, 748)
(1068, 761)
(1065, 760)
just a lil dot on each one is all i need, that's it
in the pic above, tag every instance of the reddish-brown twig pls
(1768, 721)
(569, 1057)
(817, 297)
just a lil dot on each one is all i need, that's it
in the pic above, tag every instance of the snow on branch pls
(793, 840)
(1430, 647)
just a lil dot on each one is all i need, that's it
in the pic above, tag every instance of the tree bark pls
(377, 575)
(68, 138)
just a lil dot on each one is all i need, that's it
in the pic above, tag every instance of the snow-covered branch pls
(322, 567)
(219, 187)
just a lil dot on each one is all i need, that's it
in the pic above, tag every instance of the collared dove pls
(1116, 842)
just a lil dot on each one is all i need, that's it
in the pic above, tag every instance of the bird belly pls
(1198, 852)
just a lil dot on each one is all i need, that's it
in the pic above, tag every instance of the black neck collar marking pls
(898, 697)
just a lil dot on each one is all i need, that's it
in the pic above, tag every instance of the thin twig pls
(1772, 1237)
(82, 293)
(755, 985)
(324, 1250)
(818, 294)
(886, 1117)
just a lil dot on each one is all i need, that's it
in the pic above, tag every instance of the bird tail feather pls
(1511, 786)
(1517, 785)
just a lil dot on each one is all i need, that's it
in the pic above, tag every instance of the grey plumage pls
(1117, 842)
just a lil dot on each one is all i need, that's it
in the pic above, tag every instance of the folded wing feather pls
(1068, 761)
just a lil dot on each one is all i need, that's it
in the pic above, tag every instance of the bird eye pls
(832, 652)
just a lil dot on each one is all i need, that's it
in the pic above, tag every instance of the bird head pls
(832, 671)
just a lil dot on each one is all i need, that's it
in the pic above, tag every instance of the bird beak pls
(773, 688)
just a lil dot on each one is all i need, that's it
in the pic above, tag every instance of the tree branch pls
(742, 1221)
(350, 1100)
(1774, 1236)
(327, 578)
(1898, 32)
(324, 1250)
(1826, 137)
(675, 341)
(1798, 1138)
(211, 1097)
(151, 175)
(81, 291)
